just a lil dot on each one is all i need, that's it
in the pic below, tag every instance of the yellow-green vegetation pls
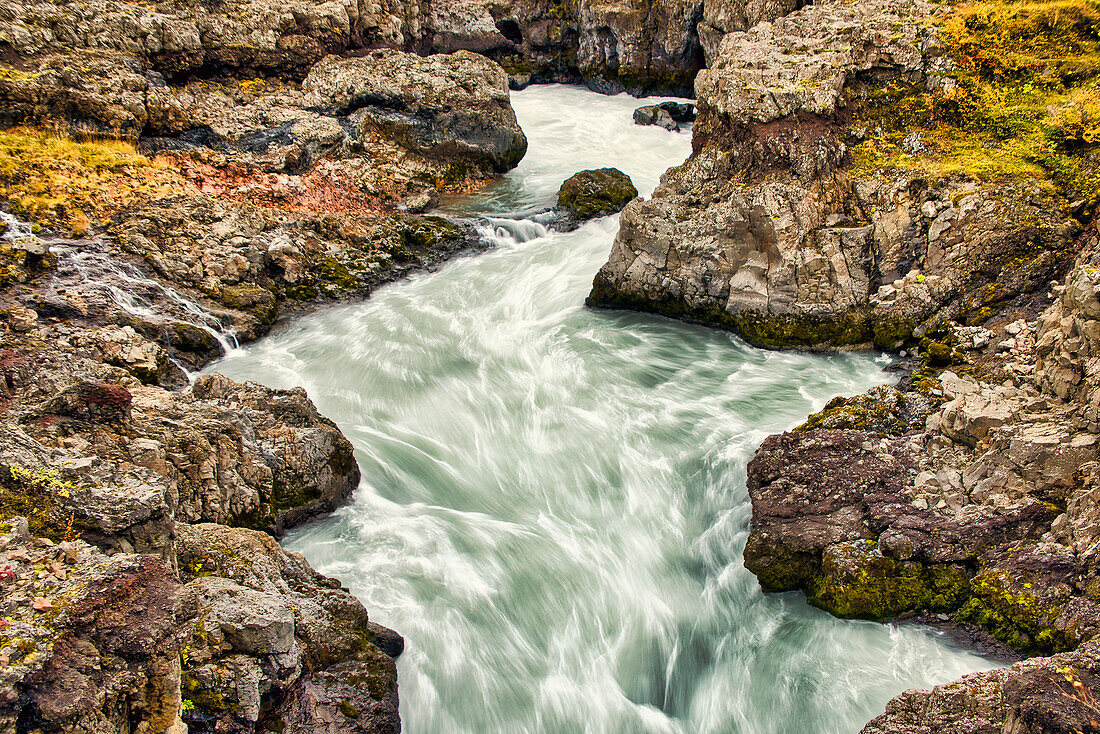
(17, 266)
(37, 494)
(1023, 102)
(884, 410)
(53, 180)
(856, 581)
(1014, 610)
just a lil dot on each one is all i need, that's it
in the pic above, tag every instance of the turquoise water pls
(553, 505)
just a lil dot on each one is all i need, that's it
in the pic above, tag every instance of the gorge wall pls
(187, 175)
(921, 179)
(903, 175)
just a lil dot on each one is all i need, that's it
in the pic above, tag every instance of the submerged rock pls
(597, 193)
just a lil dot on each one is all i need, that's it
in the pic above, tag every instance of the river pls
(553, 506)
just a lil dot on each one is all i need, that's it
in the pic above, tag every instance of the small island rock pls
(598, 193)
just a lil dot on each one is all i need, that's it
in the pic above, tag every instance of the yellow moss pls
(1025, 104)
(56, 181)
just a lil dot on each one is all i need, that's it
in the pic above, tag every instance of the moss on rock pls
(596, 193)
(1017, 609)
(884, 410)
(253, 300)
(857, 581)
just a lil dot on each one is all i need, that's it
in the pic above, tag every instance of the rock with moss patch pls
(255, 301)
(596, 193)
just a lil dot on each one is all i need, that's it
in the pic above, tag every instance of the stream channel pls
(553, 505)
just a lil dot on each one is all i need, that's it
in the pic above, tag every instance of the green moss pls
(939, 347)
(1014, 610)
(776, 567)
(18, 266)
(891, 333)
(883, 410)
(348, 710)
(302, 293)
(597, 193)
(429, 233)
(203, 699)
(250, 299)
(36, 493)
(332, 271)
(857, 581)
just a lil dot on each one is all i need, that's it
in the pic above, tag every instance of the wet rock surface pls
(668, 115)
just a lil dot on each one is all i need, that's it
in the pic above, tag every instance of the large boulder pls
(454, 106)
(596, 193)
(219, 452)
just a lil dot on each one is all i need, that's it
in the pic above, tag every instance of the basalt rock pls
(985, 511)
(668, 115)
(1053, 694)
(218, 452)
(261, 262)
(768, 231)
(92, 644)
(244, 637)
(616, 44)
(274, 645)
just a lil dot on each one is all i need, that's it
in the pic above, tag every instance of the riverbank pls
(906, 176)
(142, 587)
(200, 174)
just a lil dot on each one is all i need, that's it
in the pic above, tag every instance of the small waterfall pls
(17, 231)
(503, 231)
(141, 296)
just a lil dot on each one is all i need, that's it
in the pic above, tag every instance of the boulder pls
(668, 115)
(596, 193)
(454, 106)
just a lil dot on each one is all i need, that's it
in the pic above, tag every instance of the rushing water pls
(553, 506)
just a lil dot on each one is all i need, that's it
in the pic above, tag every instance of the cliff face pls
(610, 44)
(775, 229)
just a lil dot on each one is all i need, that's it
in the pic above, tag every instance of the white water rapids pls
(553, 505)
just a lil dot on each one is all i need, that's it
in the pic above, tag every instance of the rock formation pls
(591, 194)
(768, 229)
(840, 194)
(223, 168)
(668, 115)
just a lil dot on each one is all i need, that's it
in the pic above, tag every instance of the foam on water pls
(553, 506)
